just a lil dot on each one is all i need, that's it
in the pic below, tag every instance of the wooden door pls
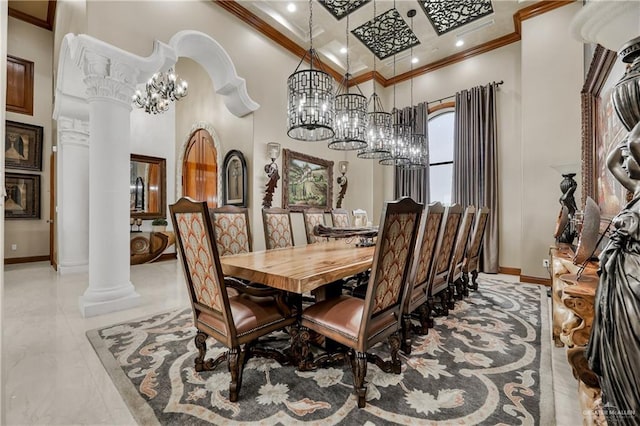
(200, 169)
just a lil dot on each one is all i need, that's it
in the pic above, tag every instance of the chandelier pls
(161, 89)
(418, 149)
(378, 129)
(310, 98)
(350, 118)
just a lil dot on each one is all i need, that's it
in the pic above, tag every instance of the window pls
(441, 156)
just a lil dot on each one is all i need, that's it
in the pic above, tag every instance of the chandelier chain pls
(347, 37)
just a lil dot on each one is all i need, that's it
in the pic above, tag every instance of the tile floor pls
(53, 376)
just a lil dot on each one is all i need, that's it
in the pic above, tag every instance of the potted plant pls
(159, 225)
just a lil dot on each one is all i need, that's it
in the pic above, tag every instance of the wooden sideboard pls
(147, 247)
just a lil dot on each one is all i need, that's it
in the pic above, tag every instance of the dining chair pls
(359, 324)
(278, 232)
(340, 218)
(423, 257)
(438, 282)
(231, 229)
(312, 217)
(470, 265)
(360, 218)
(234, 321)
(456, 277)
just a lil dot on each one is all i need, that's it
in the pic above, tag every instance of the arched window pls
(441, 128)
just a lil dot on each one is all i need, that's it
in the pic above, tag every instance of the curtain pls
(475, 162)
(414, 183)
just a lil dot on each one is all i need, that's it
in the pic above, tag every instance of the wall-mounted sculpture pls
(273, 149)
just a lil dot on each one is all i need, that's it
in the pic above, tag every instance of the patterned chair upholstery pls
(231, 229)
(470, 264)
(438, 283)
(359, 324)
(235, 320)
(420, 274)
(360, 218)
(340, 218)
(278, 232)
(456, 277)
(312, 217)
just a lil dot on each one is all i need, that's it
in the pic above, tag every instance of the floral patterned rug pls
(487, 362)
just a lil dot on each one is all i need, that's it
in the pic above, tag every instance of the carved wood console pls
(147, 247)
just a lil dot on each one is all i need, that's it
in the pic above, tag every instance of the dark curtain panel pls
(475, 162)
(414, 183)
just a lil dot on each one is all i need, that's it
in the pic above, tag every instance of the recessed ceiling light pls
(414, 60)
(343, 50)
(459, 43)
(291, 7)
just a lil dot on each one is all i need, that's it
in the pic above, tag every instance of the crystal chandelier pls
(310, 98)
(378, 129)
(418, 143)
(350, 118)
(161, 89)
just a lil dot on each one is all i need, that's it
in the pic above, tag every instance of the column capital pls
(72, 131)
(107, 77)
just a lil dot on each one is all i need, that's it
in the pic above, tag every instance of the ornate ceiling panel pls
(446, 16)
(341, 8)
(386, 34)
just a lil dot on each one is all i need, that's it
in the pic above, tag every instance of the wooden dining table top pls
(303, 268)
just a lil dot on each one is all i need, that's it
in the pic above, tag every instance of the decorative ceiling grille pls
(449, 15)
(341, 8)
(386, 34)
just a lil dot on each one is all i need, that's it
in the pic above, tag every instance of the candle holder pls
(131, 222)
(138, 224)
(273, 150)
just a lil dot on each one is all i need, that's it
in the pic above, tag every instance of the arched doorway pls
(200, 168)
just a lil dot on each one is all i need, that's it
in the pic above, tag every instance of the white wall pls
(552, 77)
(35, 44)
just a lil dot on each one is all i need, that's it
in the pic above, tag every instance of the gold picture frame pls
(307, 182)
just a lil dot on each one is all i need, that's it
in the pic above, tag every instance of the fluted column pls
(110, 85)
(72, 195)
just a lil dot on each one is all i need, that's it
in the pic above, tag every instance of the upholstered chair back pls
(278, 232)
(231, 229)
(360, 218)
(424, 255)
(462, 240)
(444, 250)
(471, 258)
(340, 218)
(201, 264)
(390, 269)
(312, 217)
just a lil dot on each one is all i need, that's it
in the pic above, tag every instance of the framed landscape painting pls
(307, 182)
(23, 196)
(23, 146)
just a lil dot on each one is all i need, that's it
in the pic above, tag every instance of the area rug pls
(487, 362)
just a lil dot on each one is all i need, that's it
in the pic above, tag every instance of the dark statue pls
(568, 187)
(614, 346)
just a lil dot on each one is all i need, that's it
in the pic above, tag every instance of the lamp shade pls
(343, 166)
(273, 149)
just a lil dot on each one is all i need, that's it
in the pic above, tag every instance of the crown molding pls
(233, 7)
(47, 25)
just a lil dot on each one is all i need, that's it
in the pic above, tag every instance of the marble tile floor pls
(53, 376)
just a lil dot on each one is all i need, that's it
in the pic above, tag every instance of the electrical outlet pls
(14, 247)
(545, 263)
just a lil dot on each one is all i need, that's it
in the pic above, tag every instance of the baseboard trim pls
(509, 271)
(167, 256)
(14, 260)
(535, 280)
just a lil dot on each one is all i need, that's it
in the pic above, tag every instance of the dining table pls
(301, 269)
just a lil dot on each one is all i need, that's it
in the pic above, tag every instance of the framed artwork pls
(307, 182)
(23, 146)
(602, 132)
(23, 196)
(234, 181)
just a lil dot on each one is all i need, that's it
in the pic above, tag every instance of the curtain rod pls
(497, 83)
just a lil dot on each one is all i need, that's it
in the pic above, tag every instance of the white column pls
(110, 85)
(72, 195)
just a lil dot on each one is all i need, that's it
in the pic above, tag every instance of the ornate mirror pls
(147, 177)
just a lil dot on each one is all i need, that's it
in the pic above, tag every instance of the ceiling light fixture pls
(310, 98)
(291, 7)
(459, 43)
(378, 121)
(414, 60)
(161, 89)
(350, 109)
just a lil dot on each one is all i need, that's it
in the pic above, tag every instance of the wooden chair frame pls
(470, 265)
(456, 277)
